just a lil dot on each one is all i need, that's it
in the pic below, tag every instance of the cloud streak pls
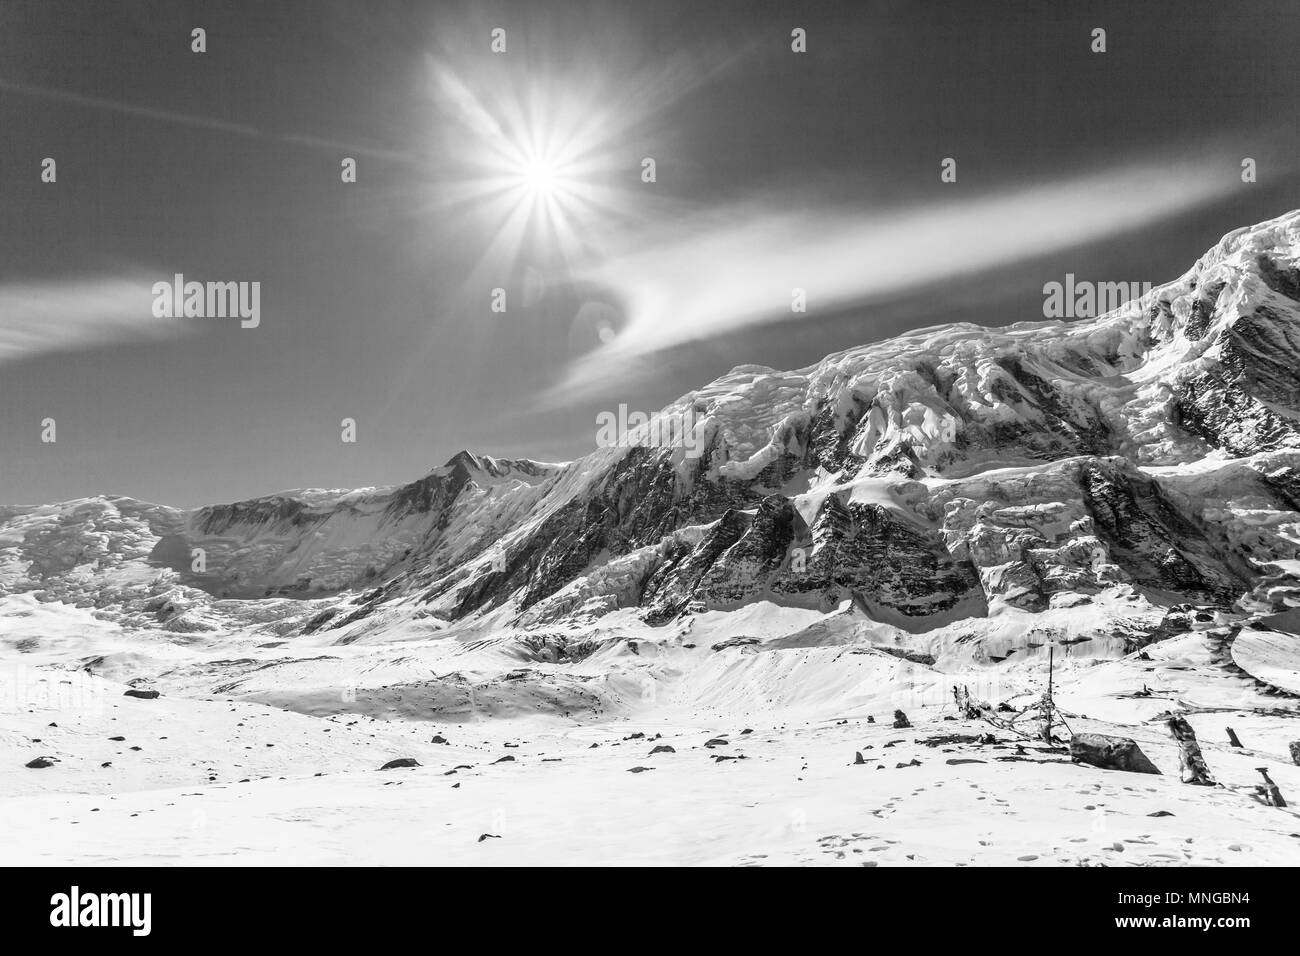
(41, 318)
(209, 123)
(724, 271)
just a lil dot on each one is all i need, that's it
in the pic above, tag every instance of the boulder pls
(142, 694)
(400, 762)
(1110, 753)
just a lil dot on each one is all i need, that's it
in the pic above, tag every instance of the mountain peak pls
(943, 474)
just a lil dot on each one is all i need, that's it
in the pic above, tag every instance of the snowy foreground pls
(282, 765)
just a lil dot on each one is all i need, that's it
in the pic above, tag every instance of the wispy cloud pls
(39, 318)
(729, 269)
(210, 123)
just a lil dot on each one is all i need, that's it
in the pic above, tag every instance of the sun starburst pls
(542, 167)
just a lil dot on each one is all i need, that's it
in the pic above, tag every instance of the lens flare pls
(540, 165)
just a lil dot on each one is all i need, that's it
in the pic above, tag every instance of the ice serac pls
(957, 472)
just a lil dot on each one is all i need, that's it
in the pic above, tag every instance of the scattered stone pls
(508, 758)
(1232, 737)
(716, 742)
(118, 739)
(749, 730)
(40, 763)
(870, 719)
(438, 739)
(1160, 813)
(400, 762)
(636, 736)
(911, 763)
(1295, 752)
(1110, 753)
(487, 836)
(858, 759)
(142, 694)
(663, 749)
(900, 720)
(957, 761)
(639, 769)
(945, 739)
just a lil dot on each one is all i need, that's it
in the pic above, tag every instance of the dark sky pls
(818, 170)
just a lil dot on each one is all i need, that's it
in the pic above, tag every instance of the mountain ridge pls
(930, 477)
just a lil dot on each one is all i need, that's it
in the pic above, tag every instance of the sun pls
(539, 176)
(540, 164)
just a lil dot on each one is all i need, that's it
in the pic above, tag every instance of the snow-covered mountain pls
(934, 477)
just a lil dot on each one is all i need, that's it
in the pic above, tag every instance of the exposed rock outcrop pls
(1110, 753)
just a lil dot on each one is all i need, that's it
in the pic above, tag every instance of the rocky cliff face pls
(938, 476)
